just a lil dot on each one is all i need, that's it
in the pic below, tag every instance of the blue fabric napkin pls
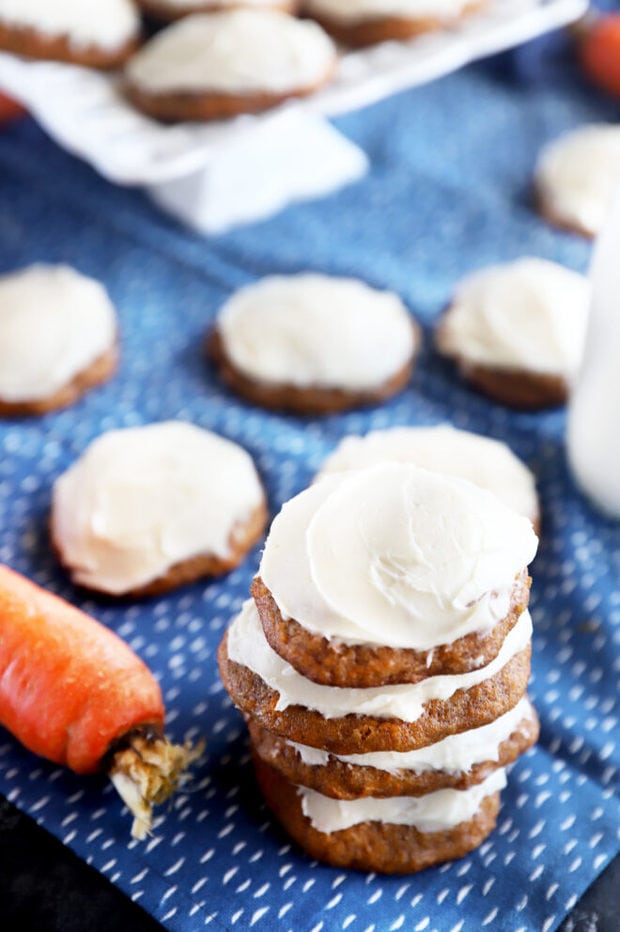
(449, 190)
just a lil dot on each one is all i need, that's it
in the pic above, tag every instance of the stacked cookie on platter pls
(97, 34)
(366, 22)
(382, 665)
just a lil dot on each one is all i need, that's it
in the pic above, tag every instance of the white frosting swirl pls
(529, 315)
(434, 812)
(106, 24)
(395, 555)
(487, 463)
(234, 51)
(454, 754)
(315, 330)
(578, 175)
(142, 499)
(54, 323)
(359, 10)
(248, 646)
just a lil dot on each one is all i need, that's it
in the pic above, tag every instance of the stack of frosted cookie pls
(382, 665)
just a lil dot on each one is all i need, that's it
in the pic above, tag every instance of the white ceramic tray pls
(85, 112)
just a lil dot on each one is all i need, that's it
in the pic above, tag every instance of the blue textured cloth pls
(449, 190)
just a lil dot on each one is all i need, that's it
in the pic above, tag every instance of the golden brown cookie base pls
(516, 388)
(312, 400)
(33, 44)
(102, 369)
(168, 14)
(359, 734)
(364, 665)
(372, 31)
(183, 106)
(557, 219)
(373, 846)
(353, 781)
(243, 538)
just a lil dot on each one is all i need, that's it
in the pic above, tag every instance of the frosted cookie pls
(392, 574)
(576, 177)
(517, 331)
(364, 22)
(215, 65)
(457, 762)
(168, 10)
(147, 509)
(485, 462)
(98, 33)
(364, 767)
(351, 720)
(394, 835)
(58, 338)
(314, 344)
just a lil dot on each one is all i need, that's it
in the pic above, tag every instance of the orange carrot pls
(599, 51)
(73, 692)
(9, 109)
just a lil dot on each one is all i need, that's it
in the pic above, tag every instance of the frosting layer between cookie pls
(248, 646)
(433, 812)
(454, 754)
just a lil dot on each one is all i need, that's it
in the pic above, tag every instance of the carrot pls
(9, 109)
(599, 51)
(73, 692)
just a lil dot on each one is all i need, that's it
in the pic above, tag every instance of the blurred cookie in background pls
(58, 338)
(366, 22)
(516, 331)
(314, 344)
(98, 34)
(576, 178)
(169, 10)
(216, 65)
(487, 463)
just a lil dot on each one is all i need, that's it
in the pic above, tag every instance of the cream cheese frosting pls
(527, 315)
(395, 555)
(487, 463)
(578, 175)
(234, 51)
(106, 24)
(248, 646)
(316, 330)
(140, 500)
(433, 812)
(356, 10)
(54, 323)
(454, 754)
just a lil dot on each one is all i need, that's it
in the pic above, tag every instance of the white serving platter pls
(85, 112)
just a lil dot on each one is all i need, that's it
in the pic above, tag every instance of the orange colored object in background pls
(599, 52)
(9, 109)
